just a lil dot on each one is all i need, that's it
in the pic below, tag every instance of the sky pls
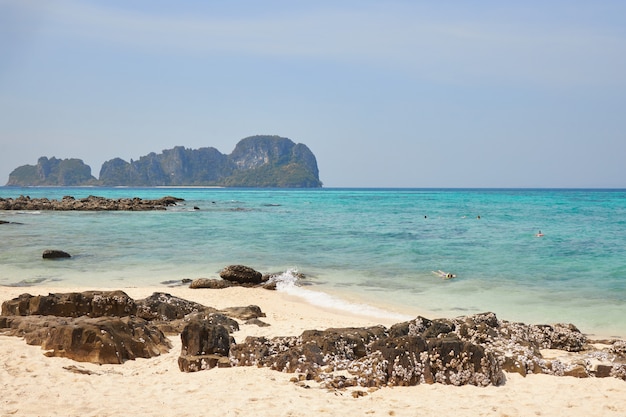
(384, 93)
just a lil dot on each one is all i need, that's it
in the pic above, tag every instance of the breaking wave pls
(287, 282)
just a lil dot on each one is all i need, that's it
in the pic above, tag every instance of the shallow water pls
(365, 246)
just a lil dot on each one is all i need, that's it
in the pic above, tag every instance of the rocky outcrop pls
(88, 303)
(110, 327)
(111, 340)
(474, 350)
(91, 203)
(53, 171)
(372, 358)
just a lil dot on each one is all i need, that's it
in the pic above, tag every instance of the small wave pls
(287, 282)
(35, 212)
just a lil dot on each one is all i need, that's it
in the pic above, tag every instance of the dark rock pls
(241, 274)
(410, 360)
(453, 361)
(164, 306)
(202, 345)
(211, 283)
(517, 345)
(414, 327)
(111, 340)
(394, 361)
(55, 254)
(562, 336)
(88, 303)
(372, 358)
(217, 319)
(603, 371)
(91, 203)
(344, 343)
(201, 338)
(285, 354)
(270, 285)
(466, 350)
(437, 328)
(260, 351)
(6, 222)
(218, 284)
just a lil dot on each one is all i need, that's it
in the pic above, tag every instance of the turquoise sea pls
(360, 249)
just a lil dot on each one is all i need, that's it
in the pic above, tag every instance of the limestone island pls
(256, 161)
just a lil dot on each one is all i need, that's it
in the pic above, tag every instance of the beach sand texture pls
(35, 385)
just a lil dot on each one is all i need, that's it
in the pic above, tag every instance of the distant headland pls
(256, 161)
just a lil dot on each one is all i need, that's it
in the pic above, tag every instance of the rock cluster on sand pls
(91, 203)
(105, 326)
(236, 276)
(110, 327)
(467, 350)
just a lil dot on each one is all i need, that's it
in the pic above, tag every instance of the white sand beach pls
(35, 385)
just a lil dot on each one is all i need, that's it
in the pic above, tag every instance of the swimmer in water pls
(444, 275)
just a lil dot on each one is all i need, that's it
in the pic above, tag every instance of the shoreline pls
(367, 311)
(37, 385)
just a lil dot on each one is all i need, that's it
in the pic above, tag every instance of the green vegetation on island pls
(53, 171)
(257, 161)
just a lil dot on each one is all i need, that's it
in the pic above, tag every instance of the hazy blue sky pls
(393, 93)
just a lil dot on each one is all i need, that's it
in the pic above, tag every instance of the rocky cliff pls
(53, 171)
(257, 161)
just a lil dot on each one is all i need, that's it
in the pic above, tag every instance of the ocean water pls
(359, 249)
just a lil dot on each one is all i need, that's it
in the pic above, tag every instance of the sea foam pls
(287, 282)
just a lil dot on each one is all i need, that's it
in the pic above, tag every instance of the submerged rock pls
(55, 254)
